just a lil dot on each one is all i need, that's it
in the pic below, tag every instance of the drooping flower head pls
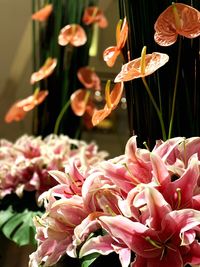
(43, 13)
(19, 109)
(45, 71)
(88, 77)
(111, 53)
(72, 34)
(94, 14)
(112, 100)
(177, 19)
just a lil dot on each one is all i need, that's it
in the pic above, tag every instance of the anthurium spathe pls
(43, 13)
(18, 110)
(132, 69)
(93, 14)
(88, 77)
(112, 100)
(177, 19)
(72, 34)
(45, 71)
(111, 53)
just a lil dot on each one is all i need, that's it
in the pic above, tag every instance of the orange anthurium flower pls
(111, 53)
(79, 100)
(94, 14)
(43, 14)
(15, 113)
(132, 69)
(177, 19)
(18, 110)
(45, 71)
(89, 78)
(112, 100)
(72, 34)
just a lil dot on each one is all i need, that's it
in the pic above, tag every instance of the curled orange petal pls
(115, 96)
(121, 39)
(94, 14)
(110, 55)
(167, 28)
(89, 78)
(15, 113)
(132, 69)
(79, 102)
(45, 71)
(43, 13)
(72, 34)
(19, 109)
(30, 102)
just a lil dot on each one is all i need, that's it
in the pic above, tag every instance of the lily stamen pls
(178, 191)
(153, 243)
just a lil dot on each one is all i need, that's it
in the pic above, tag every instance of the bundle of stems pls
(175, 87)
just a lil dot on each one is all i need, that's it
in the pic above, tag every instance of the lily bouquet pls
(143, 205)
(24, 176)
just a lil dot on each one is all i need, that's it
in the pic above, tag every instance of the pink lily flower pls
(164, 238)
(55, 229)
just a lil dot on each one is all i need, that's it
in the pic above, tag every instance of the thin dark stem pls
(60, 116)
(175, 89)
(156, 108)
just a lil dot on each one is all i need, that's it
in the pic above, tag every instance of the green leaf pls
(89, 259)
(18, 227)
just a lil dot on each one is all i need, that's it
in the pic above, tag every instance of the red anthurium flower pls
(45, 71)
(43, 13)
(111, 53)
(177, 19)
(89, 78)
(18, 111)
(72, 34)
(132, 69)
(94, 14)
(112, 100)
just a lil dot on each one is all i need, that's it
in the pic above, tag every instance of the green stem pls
(175, 89)
(63, 110)
(156, 108)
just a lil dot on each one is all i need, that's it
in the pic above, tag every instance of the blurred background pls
(16, 57)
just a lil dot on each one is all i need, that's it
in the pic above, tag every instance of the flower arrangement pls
(143, 205)
(24, 176)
